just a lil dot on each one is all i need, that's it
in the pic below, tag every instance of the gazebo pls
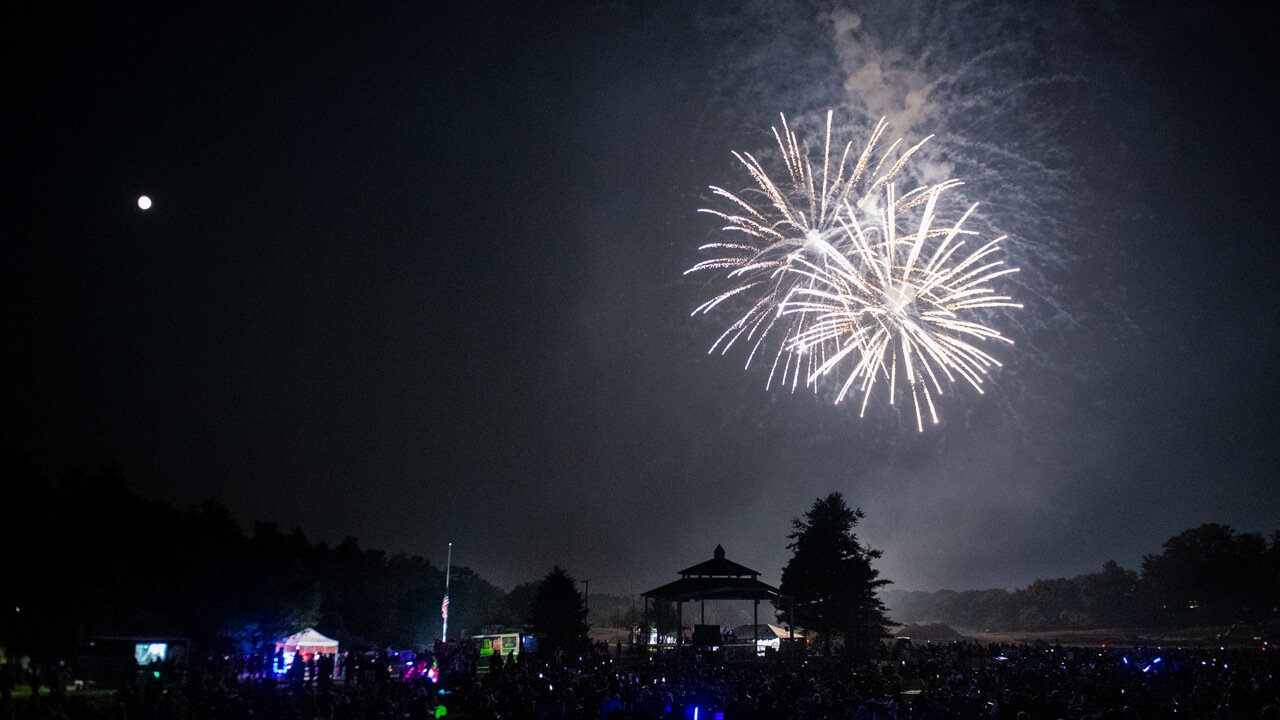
(715, 579)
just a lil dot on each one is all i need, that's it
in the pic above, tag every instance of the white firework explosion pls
(900, 305)
(794, 225)
(830, 280)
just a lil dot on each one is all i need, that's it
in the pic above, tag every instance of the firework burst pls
(830, 279)
(793, 224)
(900, 307)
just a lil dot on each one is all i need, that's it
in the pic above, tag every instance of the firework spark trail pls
(848, 291)
(987, 82)
(795, 222)
(896, 317)
(990, 81)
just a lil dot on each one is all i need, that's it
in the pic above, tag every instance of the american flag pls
(444, 608)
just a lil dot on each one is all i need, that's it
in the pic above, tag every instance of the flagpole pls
(444, 609)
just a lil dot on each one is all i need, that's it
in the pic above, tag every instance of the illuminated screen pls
(500, 644)
(147, 653)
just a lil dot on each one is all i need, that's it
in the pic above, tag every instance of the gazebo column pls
(679, 626)
(646, 617)
(755, 627)
(703, 604)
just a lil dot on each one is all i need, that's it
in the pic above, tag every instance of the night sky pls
(414, 274)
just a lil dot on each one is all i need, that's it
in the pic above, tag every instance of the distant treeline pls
(87, 557)
(1207, 575)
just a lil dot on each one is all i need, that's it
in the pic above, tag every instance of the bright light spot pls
(144, 202)
(898, 298)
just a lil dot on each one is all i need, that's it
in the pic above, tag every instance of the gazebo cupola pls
(718, 566)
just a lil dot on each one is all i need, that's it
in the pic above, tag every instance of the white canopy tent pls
(308, 642)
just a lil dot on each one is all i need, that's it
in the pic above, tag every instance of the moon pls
(144, 202)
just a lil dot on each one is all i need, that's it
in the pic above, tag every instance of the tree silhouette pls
(831, 581)
(1209, 574)
(558, 613)
(1109, 594)
(517, 607)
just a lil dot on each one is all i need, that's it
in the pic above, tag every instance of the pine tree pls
(829, 581)
(559, 614)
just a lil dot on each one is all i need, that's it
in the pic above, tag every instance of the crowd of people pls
(961, 680)
(953, 680)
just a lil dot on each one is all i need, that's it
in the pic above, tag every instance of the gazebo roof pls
(718, 566)
(715, 579)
